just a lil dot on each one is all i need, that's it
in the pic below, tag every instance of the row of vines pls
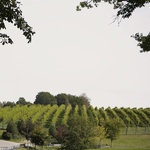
(57, 115)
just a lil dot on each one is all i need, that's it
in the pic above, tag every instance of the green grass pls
(124, 142)
(132, 130)
(132, 142)
(137, 142)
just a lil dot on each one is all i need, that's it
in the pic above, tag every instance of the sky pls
(77, 52)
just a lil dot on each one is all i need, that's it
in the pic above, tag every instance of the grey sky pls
(77, 52)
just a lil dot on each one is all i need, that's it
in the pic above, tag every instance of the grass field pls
(131, 142)
(124, 142)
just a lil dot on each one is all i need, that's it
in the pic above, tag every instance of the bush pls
(11, 132)
(6, 135)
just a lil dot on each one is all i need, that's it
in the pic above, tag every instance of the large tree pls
(62, 99)
(26, 128)
(39, 136)
(79, 134)
(10, 12)
(45, 98)
(124, 8)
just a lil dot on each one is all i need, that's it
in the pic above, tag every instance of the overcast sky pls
(77, 52)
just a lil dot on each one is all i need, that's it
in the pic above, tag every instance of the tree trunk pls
(126, 130)
(100, 143)
(27, 145)
(111, 143)
(145, 130)
(136, 129)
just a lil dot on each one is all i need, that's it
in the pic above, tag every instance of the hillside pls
(139, 119)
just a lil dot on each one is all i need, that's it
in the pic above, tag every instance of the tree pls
(134, 117)
(61, 131)
(144, 119)
(125, 118)
(125, 8)
(2, 121)
(79, 100)
(45, 98)
(11, 131)
(26, 128)
(10, 12)
(73, 100)
(104, 114)
(52, 130)
(101, 134)
(84, 100)
(39, 136)
(112, 129)
(79, 134)
(62, 99)
(10, 104)
(21, 101)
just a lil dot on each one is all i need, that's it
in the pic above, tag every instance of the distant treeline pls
(45, 98)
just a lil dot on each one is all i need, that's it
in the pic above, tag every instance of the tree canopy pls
(45, 98)
(112, 129)
(79, 134)
(124, 8)
(11, 12)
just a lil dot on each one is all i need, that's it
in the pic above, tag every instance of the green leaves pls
(87, 4)
(125, 9)
(10, 12)
(112, 129)
(79, 134)
(39, 135)
(143, 41)
(5, 39)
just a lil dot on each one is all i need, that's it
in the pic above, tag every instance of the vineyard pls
(134, 121)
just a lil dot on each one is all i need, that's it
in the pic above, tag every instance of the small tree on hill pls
(112, 129)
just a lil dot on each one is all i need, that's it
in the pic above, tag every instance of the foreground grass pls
(133, 142)
(125, 142)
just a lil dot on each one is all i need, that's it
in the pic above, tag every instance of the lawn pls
(134, 142)
(125, 142)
